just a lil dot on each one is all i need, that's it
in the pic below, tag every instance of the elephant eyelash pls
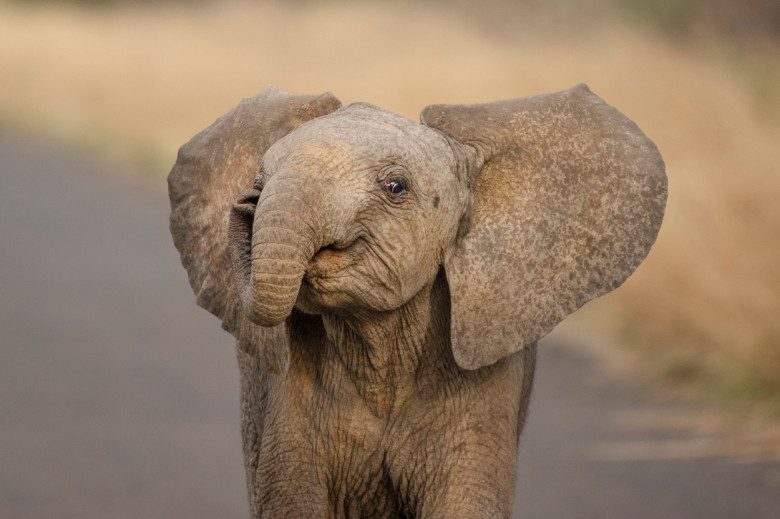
(394, 188)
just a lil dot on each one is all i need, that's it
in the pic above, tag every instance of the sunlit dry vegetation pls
(137, 81)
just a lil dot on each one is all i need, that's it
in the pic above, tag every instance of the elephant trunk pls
(287, 232)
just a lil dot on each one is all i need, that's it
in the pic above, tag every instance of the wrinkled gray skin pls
(386, 282)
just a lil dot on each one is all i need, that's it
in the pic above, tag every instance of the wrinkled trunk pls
(286, 233)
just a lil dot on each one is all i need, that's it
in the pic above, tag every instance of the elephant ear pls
(568, 197)
(211, 170)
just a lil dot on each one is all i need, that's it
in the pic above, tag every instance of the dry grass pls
(140, 81)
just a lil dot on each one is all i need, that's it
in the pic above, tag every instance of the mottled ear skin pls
(568, 197)
(211, 170)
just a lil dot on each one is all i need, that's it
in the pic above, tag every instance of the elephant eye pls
(393, 188)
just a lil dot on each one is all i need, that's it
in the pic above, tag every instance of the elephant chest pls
(334, 453)
(352, 462)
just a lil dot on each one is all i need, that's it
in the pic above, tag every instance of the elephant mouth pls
(332, 259)
(324, 276)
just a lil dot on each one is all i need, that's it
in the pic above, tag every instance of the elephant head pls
(532, 207)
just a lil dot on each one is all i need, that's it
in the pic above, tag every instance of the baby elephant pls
(387, 281)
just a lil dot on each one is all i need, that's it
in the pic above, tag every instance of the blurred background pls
(129, 81)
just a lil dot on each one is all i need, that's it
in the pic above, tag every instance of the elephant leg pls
(470, 487)
(282, 478)
(253, 408)
(455, 474)
(288, 483)
(467, 469)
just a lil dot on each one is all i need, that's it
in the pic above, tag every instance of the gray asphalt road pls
(119, 398)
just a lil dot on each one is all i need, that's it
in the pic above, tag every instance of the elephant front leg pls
(462, 470)
(471, 488)
(283, 479)
(287, 482)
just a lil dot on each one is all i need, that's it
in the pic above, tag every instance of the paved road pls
(119, 398)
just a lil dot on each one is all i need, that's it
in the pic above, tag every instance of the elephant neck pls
(382, 354)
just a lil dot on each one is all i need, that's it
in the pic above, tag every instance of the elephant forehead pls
(360, 136)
